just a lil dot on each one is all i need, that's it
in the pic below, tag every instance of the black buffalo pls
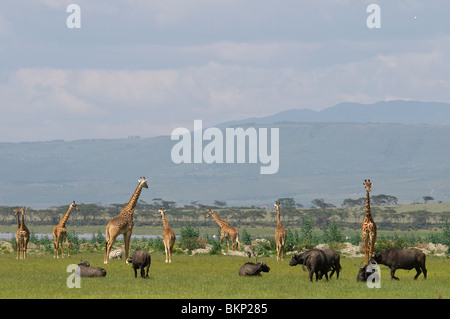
(87, 271)
(316, 262)
(364, 272)
(334, 261)
(398, 258)
(140, 259)
(253, 269)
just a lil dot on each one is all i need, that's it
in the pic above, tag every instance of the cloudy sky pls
(147, 67)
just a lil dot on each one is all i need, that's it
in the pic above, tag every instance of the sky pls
(144, 68)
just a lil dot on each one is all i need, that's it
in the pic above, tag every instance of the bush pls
(98, 238)
(156, 244)
(292, 240)
(333, 234)
(190, 238)
(246, 238)
(307, 233)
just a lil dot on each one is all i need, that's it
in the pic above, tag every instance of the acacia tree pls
(426, 199)
(382, 199)
(320, 203)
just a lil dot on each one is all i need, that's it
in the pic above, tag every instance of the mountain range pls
(403, 147)
(405, 112)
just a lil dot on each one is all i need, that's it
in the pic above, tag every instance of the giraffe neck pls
(23, 221)
(65, 217)
(278, 217)
(18, 222)
(219, 221)
(128, 209)
(165, 223)
(368, 214)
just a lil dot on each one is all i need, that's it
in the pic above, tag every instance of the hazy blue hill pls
(405, 112)
(317, 160)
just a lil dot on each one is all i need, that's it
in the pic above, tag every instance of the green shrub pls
(190, 238)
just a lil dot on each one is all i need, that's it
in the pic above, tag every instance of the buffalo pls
(253, 269)
(87, 271)
(365, 272)
(140, 259)
(398, 258)
(316, 262)
(334, 261)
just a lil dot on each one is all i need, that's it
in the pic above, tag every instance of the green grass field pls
(208, 276)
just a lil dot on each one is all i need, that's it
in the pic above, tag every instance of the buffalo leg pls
(393, 274)
(311, 272)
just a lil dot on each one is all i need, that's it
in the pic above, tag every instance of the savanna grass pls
(208, 276)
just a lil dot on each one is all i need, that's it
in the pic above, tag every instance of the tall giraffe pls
(123, 223)
(280, 234)
(226, 231)
(168, 236)
(60, 232)
(369, 228)
(22, 235)
(18, 238)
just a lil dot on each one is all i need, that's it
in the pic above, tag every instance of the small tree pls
(333, 234)
(426, 199)
(306, 236)
(189, 238)
(292, 239)
(246, 237)
(320, 203)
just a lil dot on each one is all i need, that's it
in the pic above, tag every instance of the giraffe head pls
(367, 184)
(16, 211)
(23, 210)
(209, 213)
(277, 205)
(143, 182)
(162, 211)
(73, 205)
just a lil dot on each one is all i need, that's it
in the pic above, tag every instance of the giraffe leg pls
(61, 240)
(57, 247)
(221, 238)
(170, 252)
(68, 247)
(126, 238)
(110, 238)
(25, 248)
(372, 237)
(18, 247)
(237, 240)
(166, 249)
(366, 252)
(278, 250)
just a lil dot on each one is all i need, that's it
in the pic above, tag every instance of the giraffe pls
(18, 238)
(168, 236)
(280, 234)
(226, 231)
(60, 232)
(22, 235)
(123, 223)
(369, 228)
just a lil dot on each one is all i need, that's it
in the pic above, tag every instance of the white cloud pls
(146, 67)
(118, 103)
